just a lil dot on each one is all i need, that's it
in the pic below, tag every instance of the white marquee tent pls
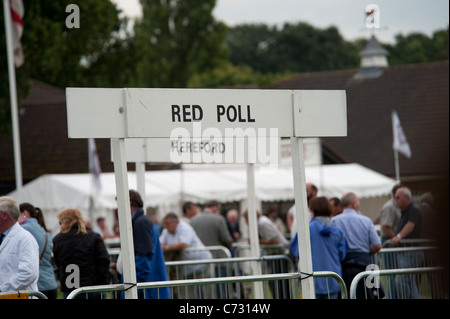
(166, 189)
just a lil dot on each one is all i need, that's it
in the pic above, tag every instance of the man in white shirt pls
(176, 237)
(19, 251)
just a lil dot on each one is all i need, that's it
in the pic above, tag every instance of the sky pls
(396, 16)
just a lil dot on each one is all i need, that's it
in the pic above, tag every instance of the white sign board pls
(125, 113)
(259, 150)
(188, 116)
(312, 151)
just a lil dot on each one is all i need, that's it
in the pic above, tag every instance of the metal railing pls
(241, 248)
(220, 251)
(228, 267)
(233, 265)
(409, 242)
(293, 279)
(395, 272)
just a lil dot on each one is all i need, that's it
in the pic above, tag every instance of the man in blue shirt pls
(362, 240)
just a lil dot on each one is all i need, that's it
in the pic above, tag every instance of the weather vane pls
(372, 19)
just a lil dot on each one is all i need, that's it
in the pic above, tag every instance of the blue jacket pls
(47, 280)
(149, 257)
(328, 250)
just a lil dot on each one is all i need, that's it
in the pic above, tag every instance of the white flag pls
(94, 166)
(400, 143)
(17, 12)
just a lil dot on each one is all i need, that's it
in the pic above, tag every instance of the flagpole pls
(13, 95)
(397, 167)
(92, 184)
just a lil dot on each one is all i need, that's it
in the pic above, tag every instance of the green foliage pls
(419, 48)
(180, 44)
(228, 75)
(293, 48)
(56, 54)
(177, 39)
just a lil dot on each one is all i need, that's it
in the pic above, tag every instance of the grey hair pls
(348, 199)
(10, 206)
(406, 192)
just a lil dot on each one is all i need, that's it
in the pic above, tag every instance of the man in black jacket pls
(149, 258)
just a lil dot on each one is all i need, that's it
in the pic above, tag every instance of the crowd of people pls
(342, 240)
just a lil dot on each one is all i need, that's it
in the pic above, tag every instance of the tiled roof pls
(46, 149)
(419, 93)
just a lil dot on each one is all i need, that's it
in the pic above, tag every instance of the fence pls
(292, 278)
(229, 267)
(403, 281)
(406, 257)
(243, 249)
(220, 251)
(396, 283)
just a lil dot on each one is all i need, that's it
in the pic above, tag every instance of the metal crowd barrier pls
(292, 278)
(393, 258)
(22, 294)
(242, 249)
(221, 251)
(397, 283)
(403, 281)
(413, 242)
(228, 267)
(233, 265)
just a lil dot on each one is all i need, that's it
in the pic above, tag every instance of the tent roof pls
(200, 184)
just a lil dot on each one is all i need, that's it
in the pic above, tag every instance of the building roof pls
(373, 47)
(45, 147)
(419, 94)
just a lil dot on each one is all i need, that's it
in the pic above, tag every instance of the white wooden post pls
(253, 229)
(140, 178)
(302, 218)
(124, 212)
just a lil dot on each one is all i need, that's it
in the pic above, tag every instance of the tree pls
(54, 53)
(418, 48)
(253, 45)
(175, 40)
(293, 48)
(440, 45)
(228, 75)
(57, 54)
